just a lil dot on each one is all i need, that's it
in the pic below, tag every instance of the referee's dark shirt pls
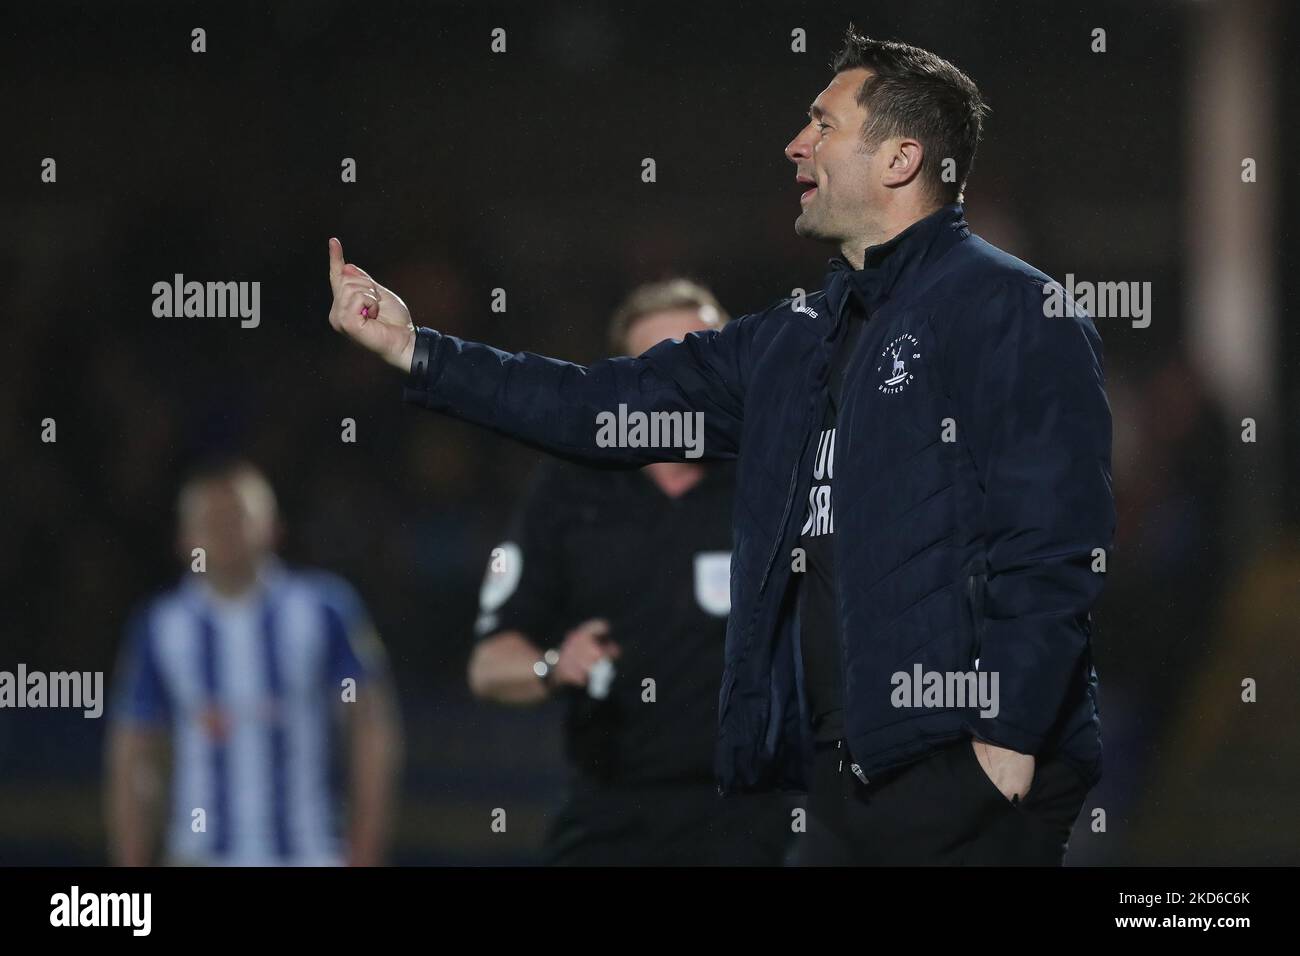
(610, 544)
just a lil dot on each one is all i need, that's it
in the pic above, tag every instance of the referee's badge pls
(713, 582)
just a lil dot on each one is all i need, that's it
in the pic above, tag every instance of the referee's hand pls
(369, 313)
(582, 648)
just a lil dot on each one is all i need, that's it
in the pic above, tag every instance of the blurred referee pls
(247, 667)
(612, 592)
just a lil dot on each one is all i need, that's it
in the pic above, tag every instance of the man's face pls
(651, 329)
(837, 175)
(227, 520)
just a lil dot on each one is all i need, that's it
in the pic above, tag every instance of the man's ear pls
(905, 158)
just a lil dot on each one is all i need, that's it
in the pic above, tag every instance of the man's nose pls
(800, 147)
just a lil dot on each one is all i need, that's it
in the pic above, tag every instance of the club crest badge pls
(896, 363)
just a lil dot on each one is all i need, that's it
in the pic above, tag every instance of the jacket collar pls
(892, 264)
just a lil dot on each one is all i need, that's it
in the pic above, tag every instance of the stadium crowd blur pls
(523, 173)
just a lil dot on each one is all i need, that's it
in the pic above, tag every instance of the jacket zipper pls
(785, 517)
(844, 667)
(809, 425)
(843, 640)
(974, 616)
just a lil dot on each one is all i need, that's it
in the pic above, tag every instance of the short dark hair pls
(912, 92)
(667, 295)
(222, 466)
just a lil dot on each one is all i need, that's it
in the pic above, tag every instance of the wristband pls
(419, 370)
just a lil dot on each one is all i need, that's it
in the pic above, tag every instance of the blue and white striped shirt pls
(250, 688)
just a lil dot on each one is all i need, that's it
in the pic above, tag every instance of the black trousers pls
(670, 826)
(942, 810)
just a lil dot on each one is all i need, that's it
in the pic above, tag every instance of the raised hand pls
(369, 313)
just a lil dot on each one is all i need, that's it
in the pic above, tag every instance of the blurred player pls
(625, 577)
(247, 667)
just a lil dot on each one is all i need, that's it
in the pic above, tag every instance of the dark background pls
(522, 171)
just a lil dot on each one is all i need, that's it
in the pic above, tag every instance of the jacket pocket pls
(980, 778)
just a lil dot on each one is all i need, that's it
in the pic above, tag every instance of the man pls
(248, 664)
(926, 668)
(628, 573)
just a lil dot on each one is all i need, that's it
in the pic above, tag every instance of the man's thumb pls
(336, 261)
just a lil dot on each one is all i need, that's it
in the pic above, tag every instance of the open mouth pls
(805, 181)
